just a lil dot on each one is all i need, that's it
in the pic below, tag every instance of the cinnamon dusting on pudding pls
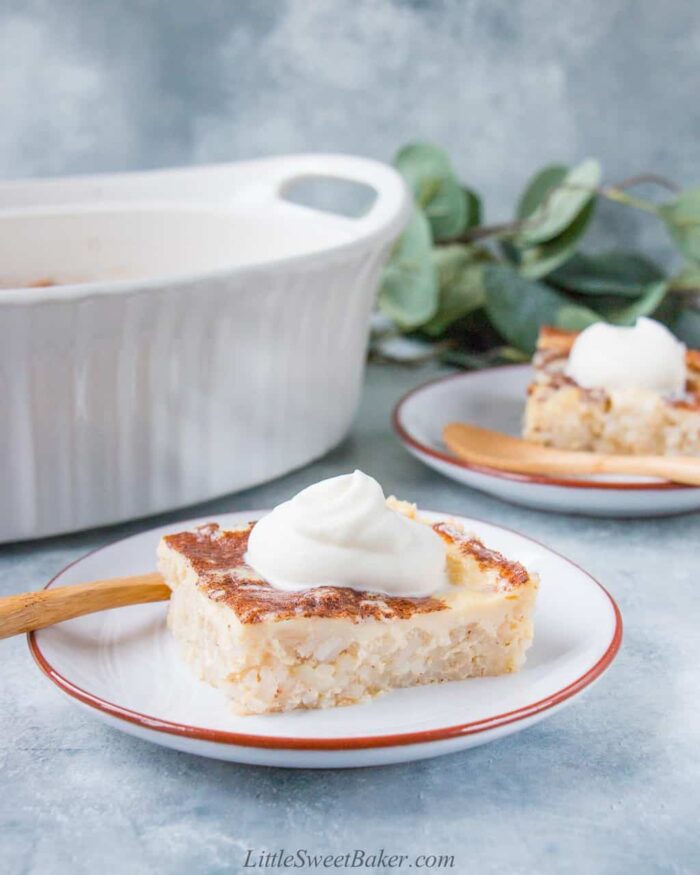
(513, 574)
(218, 558)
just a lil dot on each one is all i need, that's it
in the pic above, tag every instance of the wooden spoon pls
(35, 610)
(492, 449)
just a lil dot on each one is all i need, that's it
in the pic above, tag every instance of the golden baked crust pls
(510, 574)
(218, 558)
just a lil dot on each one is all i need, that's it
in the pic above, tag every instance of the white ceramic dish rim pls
(366, 742)
(385, 218)
(535, 479)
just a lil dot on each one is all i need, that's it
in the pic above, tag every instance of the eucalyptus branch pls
(481, 298)
(614, 192)
(643, 178)
(617, 195)
(483, 232)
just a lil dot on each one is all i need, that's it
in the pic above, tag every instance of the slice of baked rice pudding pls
(561, 413)
(273, 650)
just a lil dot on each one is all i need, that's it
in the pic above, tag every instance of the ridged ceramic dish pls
(206, 335)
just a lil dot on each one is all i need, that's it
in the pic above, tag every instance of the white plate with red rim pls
(495, 398)
(123, 666)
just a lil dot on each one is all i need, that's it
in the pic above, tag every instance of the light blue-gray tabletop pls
(609, 785)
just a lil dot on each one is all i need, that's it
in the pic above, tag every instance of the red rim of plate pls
(324, 744)
(538, 479)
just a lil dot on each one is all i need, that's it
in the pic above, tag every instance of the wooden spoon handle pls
(492, 449)
(35, 610)
(679, 469)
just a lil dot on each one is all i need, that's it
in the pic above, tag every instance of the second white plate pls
(495, 398)
(124, 667)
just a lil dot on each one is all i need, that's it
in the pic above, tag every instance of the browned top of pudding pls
(510, 574)
(554, 346)
(217, 556)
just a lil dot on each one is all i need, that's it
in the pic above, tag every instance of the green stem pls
(484, 232)
(648, 178)
(615, 193)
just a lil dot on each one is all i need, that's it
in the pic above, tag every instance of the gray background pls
(507, 85)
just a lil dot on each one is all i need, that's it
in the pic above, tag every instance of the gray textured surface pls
(507, 85)
(608, 786)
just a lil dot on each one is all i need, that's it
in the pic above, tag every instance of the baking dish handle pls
(392, 205)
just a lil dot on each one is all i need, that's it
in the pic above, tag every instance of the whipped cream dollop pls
(340, 532)
(645, 356)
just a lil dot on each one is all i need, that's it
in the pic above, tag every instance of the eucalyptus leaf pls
(561, 204)
(627, 314)
(510, 251)
(461, 286)
(409, 287)
(607, 273)
(539, 188)
(687, 279)
(575, 317)
(539, 261)
(518, 306)
(475, 331)
(436, 188)
(686, 326)
(498, 355)
(682, 219)
(474, 208)
(669, 308)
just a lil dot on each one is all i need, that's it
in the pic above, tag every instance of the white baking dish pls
(207, 335)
